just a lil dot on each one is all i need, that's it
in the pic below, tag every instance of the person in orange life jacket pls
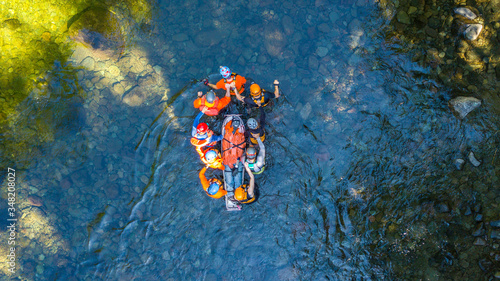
(212, 159)
(201, 136)
(247, 193)
(257, 128)
(213, 187)
(259, 97)
(231, 81)
(210, 104)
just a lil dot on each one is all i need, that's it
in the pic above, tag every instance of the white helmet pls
(252, 124)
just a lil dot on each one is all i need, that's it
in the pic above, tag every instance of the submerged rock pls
(403, 17)
(465, 12)
(472, 31)
(464, 105)
(459, 163)
(479, 242)
(473, 159)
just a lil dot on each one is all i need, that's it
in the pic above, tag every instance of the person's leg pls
(238, 179)
(228, 177)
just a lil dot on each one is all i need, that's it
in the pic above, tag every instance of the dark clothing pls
(260, 129)
(265, 98)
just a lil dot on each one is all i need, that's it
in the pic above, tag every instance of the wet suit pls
(264, 99)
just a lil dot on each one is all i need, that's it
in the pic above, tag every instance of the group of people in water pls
(242, 146)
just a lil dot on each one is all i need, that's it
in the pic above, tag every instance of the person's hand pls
(240, 98)
(228, 86)
(200, 93)
(205, 81)
(204, 110)
(276, 83)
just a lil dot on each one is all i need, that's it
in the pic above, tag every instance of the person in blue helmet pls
(232, 81)
(213, 187)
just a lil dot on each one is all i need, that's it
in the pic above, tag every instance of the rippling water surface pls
(360, 140)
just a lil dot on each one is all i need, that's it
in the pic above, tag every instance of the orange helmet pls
(240, 194)
(255, 90)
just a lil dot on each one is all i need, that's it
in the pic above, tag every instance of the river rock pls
(472, 31)
(180, 37)
(495, 234)
(288, 25)
(465, 12)
(479, 242)
(305, 111)
(322, 51)
(459, 163)
(35, 200)
(479, 231)
(134, 97)
(495, 223)
(210, 38)
(473, 159)
(88, 63)
(403, 17)
(464, 105)
(274, 40)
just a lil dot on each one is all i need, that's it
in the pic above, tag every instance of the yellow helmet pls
(240, 194)
(255, 90)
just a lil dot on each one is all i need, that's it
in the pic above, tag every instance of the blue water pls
(359, 130)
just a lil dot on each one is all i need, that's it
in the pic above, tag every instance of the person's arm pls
(223, 102)
(276, 89)
(204, 182)
(214, 137)
(211, 85)
(196, 123)
(251, 185)
(261, 158)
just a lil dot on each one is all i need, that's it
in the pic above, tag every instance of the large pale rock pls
(88, 63)
(465, 12)
(274, 40)
(472, 31)
(464, 105)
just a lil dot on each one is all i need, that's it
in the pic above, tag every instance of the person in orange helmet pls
(212, 159)
(232, 81)
(260, 97)
(210, 104)
(213, 187)
(246, 193)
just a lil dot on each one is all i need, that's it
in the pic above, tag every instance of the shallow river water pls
(360, 182)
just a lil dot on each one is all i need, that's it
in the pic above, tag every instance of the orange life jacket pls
(240, 89)
(201, 143)
(212, 110)
(217, 164)
(233, 144)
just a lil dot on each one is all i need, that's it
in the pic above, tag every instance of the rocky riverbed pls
(435, 217)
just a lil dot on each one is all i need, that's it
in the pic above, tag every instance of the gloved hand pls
(205, 81)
